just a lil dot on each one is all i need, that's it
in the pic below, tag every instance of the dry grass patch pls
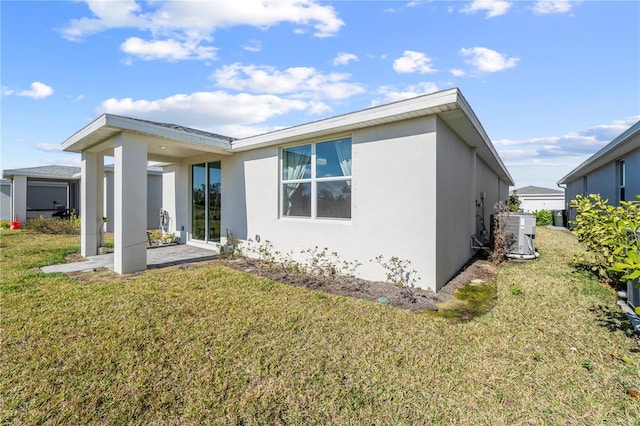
(215, 345)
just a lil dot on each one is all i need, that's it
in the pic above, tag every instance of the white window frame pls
(313, 180)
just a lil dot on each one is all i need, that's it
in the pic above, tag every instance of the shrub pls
(5, 224)
(610, 235)
(400, 274)
(543, 217)
(54, 225)
(502, 241)
(514, 202)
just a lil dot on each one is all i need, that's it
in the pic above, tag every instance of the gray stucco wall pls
(393, 200)
(463, 177)
(5, 200)
(632, 161)
(456, 165)
(605, 181)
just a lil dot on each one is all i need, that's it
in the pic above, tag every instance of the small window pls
(316, 180)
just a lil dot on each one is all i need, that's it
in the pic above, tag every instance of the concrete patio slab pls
(157, 257)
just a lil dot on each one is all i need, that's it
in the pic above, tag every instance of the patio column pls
(91, 188)
(130, 204)
(19, 198)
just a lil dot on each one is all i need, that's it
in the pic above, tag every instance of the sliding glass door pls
(206, 185)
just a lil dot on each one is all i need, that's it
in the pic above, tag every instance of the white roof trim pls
(608, 153)
(82, 140)
(451, 100)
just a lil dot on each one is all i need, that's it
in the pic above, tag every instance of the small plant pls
(514, 202)
(400, 274)
(502, 238)
(101, 231)
(4, 224)
(543, 217)
(267, 256)
(328, 263)
(516, 290)
(231, 248)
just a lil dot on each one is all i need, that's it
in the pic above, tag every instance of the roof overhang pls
(449, 105)
(165, 144)
(10, 173)
(628, 141)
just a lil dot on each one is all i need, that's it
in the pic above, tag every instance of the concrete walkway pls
(157, 257)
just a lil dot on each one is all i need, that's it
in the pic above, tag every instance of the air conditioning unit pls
(521, 228)
(633, 293)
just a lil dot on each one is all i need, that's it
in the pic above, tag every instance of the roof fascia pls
(603, 156)
(473, 119)
(396, 111)
(119, 123)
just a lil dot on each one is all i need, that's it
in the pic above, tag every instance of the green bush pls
(54, 225)
(543, 217)
(5, 224)
(609, 234)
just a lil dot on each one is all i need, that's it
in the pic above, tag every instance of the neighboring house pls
(535, 198)
(55, 191)
(5, 199)
(613, 172)
(154, 197)
(39, 191)
(415, 179)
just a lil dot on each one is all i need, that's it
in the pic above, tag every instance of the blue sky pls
(551, 81)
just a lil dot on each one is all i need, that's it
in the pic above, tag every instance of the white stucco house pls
(613, 172)
(536, 198)
(416, 179)
(55, 190)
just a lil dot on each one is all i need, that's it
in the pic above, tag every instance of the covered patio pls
(132, 143)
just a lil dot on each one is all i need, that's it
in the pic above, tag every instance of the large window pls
(316, 180)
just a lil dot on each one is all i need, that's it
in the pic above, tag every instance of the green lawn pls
(212, 345)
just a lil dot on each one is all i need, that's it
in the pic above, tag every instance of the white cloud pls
(171, 50)
(544, 7)
(298, 82)
(219, 111)
(106, 16)
(344, 58)
(542, 161)
(456, 72)
(48, 147)
(412, 62)
(492, 7)
(394, 94)
(577, 144)
(38, 91)
(253, 46)
(179, 28)
(487, 60)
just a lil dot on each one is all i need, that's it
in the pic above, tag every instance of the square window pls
(316, 180)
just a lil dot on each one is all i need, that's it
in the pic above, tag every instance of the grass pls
(211, 345)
